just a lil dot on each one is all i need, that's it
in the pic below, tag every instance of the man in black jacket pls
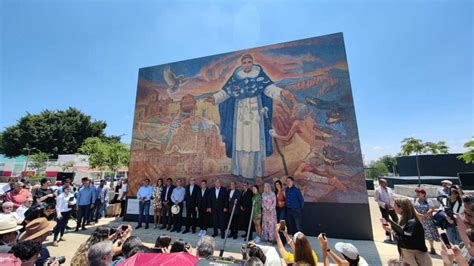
(218, 206)
(190, 197)
(166, 202)
(234, 198)
(246, 207)
(202, 207)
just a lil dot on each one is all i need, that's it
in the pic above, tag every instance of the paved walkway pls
(375, 252)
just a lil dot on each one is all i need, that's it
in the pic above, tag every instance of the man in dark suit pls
(218, 206)
(202, 207)
(166, 202)
(234, 198)
(190, 197)
(246, 207)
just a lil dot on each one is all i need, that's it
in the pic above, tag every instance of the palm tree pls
(431, 147)
(442, 147)
(412, 145)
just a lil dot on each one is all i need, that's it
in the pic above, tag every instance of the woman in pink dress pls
(268, 213)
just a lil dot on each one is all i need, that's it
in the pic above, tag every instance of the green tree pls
(53, 132)
(38, 160)
(376, 169)
(65, 166)
(442, 147)
(106, 154)
(430, 147)
(118, 155)
(435, 148)
(416, 146)
(390, 162)
(468, 156)
(97, 151)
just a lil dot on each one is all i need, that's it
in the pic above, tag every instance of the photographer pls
(349, 252)
(45, 193)
(180, 246)
(27, 251)
(453, 204)
(162, 244)
(302, 250)
(38, 230)
(102, 233)
(266, 254)
(409, 234)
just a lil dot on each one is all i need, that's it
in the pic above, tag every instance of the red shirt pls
(18, 198)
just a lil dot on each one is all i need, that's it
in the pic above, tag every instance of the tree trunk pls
(418, 170)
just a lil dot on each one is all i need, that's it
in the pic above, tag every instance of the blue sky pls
(410, 62)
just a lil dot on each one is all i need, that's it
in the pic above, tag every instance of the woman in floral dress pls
(425, 208)
(257, 212)
(269, 213)
(157, 201)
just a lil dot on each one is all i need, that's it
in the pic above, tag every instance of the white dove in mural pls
(173, 81)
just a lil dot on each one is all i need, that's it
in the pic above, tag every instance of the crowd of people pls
(30, 214)
(217, 206)
(409, 223)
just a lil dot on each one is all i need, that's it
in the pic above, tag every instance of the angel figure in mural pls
(245, 108)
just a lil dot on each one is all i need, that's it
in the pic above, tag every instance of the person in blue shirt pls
(101, 201)
(144, 195)
(85, 199)
(177, 197)
(294, 202)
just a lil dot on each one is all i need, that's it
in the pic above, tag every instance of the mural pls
(256, 115)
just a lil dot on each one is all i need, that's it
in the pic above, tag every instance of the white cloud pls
(377, 148)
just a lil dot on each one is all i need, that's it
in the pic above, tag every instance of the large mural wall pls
(257, 115)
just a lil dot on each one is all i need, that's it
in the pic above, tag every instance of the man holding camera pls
(385, 200)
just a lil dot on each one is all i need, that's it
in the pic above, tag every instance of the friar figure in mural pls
(245, 108)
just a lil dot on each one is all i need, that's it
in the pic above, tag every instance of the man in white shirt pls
(385, 199)
(145, 192)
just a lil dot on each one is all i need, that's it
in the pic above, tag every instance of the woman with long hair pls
(257, 212)
(268, 213)
(300, 245)
(280, 195)
(409, 234)
(453, 204)
(80, 257)
(425, 208)
(157, 201)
